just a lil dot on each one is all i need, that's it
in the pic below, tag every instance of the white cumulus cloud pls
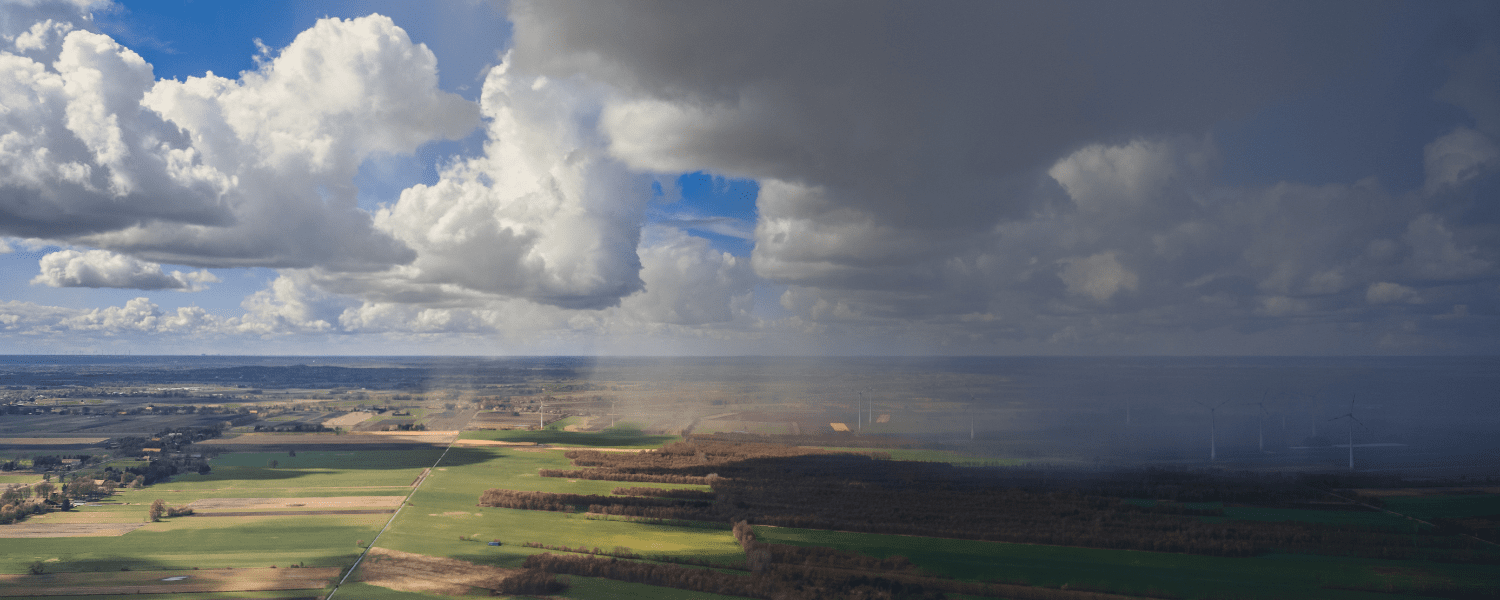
(212, 171)
(544, 215)
(104, 269)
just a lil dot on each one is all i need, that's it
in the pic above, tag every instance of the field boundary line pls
(415, 486)
(1408, 517)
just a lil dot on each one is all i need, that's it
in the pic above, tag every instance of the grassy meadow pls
(445, 508)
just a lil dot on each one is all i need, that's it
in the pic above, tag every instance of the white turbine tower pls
(1213, 429)
(869, 407)
(1262, 422)
(971, 417)
(1352, 420)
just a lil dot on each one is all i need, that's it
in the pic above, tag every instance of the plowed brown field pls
(53, 530)
(407, 572)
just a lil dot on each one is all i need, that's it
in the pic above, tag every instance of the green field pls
(445, 508)
(188, 542)
(1129, 571)
(267, 595)
(207, 542)
(1453, 506)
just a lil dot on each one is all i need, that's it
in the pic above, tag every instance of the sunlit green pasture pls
(320, 473)
(446, 508)
(205, 542)
(186, 542)
(1129, 571)
(266, 595)
(480, 469)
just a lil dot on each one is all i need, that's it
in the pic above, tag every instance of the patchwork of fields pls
(289, 521)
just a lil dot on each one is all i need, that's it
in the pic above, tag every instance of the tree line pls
(815, 489)
(796, 582)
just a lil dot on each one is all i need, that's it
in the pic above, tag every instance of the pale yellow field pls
(315, 502)
(166, 582)
(55, 530)
(60, 441)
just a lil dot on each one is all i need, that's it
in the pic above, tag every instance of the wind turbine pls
(1213, 432)
(971, 417)
(868, 407)
(1352, 420)
(1262, 424)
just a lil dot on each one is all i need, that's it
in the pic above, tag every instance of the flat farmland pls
(609, 438)
(188, 542)
(309, 503)
(445, 508)
(52, 441)
(31, 529)
(167, 582)
(96, 425)
(394, 440)
(258, 535)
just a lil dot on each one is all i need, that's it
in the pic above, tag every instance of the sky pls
(750, 178)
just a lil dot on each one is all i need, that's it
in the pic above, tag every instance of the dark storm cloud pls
(1043, 170)
(924, 114)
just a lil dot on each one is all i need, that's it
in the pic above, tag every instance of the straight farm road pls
(388, 522)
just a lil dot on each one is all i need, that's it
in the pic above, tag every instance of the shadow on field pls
(256, 466)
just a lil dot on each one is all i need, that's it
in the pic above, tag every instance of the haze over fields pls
(749, 178)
